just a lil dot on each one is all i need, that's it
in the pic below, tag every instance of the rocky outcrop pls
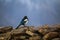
(6, 29)
(45, 32)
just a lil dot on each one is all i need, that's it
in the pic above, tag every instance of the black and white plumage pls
(23, 22)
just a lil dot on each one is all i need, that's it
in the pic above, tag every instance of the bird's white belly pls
(26, 22)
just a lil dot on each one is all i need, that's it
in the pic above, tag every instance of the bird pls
(23, 22)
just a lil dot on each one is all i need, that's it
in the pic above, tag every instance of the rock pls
(5, 29)
(46, 29)
(35, 38)
(51, 35)
(29, 33)
(17, 31)
(44, 32)
(19, 38)
(5, 36)
(56, 39)
(20, 33)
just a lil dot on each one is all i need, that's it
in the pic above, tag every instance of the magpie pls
(23, 22)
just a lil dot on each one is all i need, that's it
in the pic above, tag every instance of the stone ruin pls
(44, 32)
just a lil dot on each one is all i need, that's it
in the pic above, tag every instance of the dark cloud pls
(38, 11)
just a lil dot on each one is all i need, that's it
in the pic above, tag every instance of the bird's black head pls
(25, 17)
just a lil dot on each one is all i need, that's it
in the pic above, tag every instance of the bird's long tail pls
(18, 26)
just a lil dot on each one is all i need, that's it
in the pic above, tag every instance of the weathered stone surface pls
(45, 32)
(51, 35)
(5, 36)
(29, 33)
(56, 39)
(5, 29)
(35, 38)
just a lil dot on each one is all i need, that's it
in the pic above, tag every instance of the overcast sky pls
(39, 12)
